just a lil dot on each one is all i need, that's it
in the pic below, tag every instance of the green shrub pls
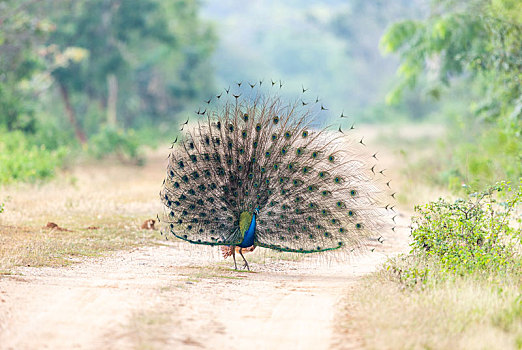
(123, 143)
(477, 234)
(23, 160)
(54, 134)
(2, 205)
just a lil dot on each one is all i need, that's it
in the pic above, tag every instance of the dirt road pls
(173, 296)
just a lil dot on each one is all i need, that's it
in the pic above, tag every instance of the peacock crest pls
(258, 162)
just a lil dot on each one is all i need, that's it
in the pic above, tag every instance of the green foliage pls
(19, 36)
(157, 51)
(16, 115)
(480, 37)
(478, 157)
(125, 144)
(58, 59)
(474, 46)
(53, 135)
(22, 160)
(478, 234)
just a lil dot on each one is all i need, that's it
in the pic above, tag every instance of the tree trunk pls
(80, 135)
(112, 100)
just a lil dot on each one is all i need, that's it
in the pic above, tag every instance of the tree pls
(129, 44)
(481, 39)
(20, 34)
(475, 44)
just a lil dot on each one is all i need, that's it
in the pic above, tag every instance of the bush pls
(54, 135)
(22, 160)
(123, 143)
(481, 233)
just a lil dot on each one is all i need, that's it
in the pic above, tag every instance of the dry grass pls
(146, 329)
(21, 246)
(219, 270)
(468, 313)
(402, 150)
(115, 199)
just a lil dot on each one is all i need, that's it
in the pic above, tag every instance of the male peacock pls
(260, 172)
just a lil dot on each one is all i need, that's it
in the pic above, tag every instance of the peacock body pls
(259, 171)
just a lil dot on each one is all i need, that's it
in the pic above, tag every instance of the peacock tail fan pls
(315, 189)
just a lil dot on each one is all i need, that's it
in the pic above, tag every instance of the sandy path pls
(178, 296)
(175, 296)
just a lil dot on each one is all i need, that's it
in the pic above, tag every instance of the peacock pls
(261, 170)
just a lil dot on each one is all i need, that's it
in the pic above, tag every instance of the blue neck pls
(248, 239)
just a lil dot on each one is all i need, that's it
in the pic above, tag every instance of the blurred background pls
(437, 80)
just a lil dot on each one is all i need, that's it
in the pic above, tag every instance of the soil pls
(175, 295)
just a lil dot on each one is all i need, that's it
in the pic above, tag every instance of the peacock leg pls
(234, 256)
(246, 263)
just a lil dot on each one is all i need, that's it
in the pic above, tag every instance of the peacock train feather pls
(258, 170)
